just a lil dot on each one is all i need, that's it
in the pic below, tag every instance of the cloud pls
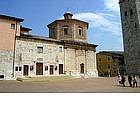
(106, 21)
(103, 21)
(112, 5)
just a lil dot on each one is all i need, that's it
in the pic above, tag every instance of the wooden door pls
(26, 70)
(51, 69)
(60, 68)
(39, 68)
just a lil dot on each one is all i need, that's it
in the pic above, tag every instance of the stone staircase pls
(45, 78)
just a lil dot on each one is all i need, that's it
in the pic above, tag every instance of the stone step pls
(44, 78)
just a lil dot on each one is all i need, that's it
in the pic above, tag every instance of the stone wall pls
(130, 17)
(72, 25)
(74, 59)
(6, 64)
(27, 54)
(53, 54)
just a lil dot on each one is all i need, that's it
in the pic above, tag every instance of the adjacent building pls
(130, 17)
(110, 63)
(65, 51)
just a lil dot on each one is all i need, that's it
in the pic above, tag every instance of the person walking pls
(134, 81)
(119, 79)
(130, 80)
(123, 80)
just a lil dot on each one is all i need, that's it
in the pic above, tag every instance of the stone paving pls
(78, 85)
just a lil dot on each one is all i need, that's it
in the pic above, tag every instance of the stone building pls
(65, 52)
(110, 63)
(9, 30)
(130, 17)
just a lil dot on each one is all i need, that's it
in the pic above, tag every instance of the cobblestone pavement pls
(79, 85)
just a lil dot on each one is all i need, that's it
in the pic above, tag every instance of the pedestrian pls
(119, 79)
(123, 80)
(139, 80)
(130, 80)
(134, 81)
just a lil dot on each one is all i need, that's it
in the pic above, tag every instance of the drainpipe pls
(64, 58)
(14, 51)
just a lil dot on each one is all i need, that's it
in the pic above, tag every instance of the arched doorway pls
(82, 68)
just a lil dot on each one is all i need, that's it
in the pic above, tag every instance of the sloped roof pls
(111, 52)
(11, 18)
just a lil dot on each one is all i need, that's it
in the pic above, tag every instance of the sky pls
(103, 17)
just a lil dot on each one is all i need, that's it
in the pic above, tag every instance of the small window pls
(60, 49)
(20, 68)
(1, 76)
(12, 26)
(108, 58)
(16, 68)
(125, 13)
(40, 49)
(80, 31)
(131, 12)
(135, 25)
(65, 31)
(100, 59)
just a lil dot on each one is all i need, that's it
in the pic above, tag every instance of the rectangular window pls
(40, 49)
(125, 13)
(135, 25)
(12, 26)
(100, 59)
(20, 68)
(1, 76)
(16, 68)
(65, 31)
(131, 12)
(108, 58)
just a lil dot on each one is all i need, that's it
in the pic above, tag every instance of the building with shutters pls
(110, 63)
(65, 52)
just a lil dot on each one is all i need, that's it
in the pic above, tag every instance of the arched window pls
(80, 31)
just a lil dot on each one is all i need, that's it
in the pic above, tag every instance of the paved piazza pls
(79, 85)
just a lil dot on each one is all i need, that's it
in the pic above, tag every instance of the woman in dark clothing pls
(130, 80)
(123, 80)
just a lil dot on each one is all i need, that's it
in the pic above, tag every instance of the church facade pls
(130, 17)
(65, 52)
